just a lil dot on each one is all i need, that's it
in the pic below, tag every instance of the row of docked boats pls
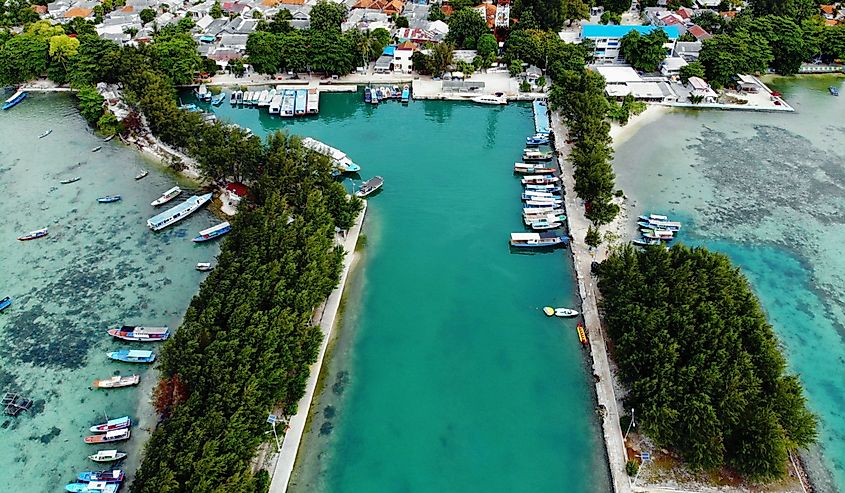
(376, 95)
(97, 482)
(656, 229)
(278, 101)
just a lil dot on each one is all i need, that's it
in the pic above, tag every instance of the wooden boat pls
(218, 100)
(490, 99)
(582, 336)
(213, 232)
(547, 209)
(544, 221)
(38, 233)
(109, 138)
(46, 133)
(140, 334)
(544, 224)
(540, 179)
(142, 174)
(537, 140)
(112, 476)
(108, 437)
(96, 148)
(204, 266)
(107, 456)
(132, 356)
(544, 187)
(542, 203)
(536, 155)
(108, 199)
(93, 487)
(665, 225)
(655, 235)
(370, 186)
(653, 217)
(15, 99)
(70, 180)
(5, 303)
(834, 91)
(178, 212)
(112, 424)
(117, 382)
(538, 240)
(646, 242)
(565, 312)
(166, 197)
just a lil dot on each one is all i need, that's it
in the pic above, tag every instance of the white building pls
(607, 39)
(402, 57)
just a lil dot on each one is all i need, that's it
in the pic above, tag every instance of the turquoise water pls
(99, 267)
(769, 191)
(446, 375)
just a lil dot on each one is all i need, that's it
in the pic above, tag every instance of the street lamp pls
(632, 423)
(272, 418)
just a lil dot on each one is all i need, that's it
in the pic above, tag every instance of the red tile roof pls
(699, 33)
(827, 9)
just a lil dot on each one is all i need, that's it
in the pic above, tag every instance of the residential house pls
(439, 27)
(234, 41)
(240, 25)
(78, 12)
(623, 81)
(417, 15)
(402, 57)
(419, 36)
(366, 19)
(828, 11)
(606, 39)
(671, 66)
(688, 50)
(389, 7)
(301, 17)
(699, 32)
(699, 87)
(747, 83)
(200, 10)
(384, 64)
(236, 8)
(503, 14)
(488, 11)
(464, 56)
(57, 9)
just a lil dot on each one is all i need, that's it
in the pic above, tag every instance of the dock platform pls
(541, 117)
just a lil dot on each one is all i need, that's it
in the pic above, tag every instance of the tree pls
(236, 66)
(90, 103)
(786, 40)
(327, 15)
(797, 10)
(576, 10)
(617, 6)
(710, 21)
(465, 28)
(80, 26)
(108, 124)
(264, 51)
(725, 55)
(515, 67)
(147, 15)
(608, 17)
(176, 55)
(401, 21)
(435, 13)
(593, 237)
(692, 69)
(487, 45)
(441, 58)
(216, 10)
(62, 47)
(186, 23)
(421, 63)
(644, 52)
(22, 58)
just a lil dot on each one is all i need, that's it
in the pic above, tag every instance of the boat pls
(96, 149)
(108, 199)
(368, 97)
(655, 235)
(537, 140)
(111, 436)
(543, 203)
(264, 98)
(70, 180)
(549, 311)
(218, 100)
(213, 232)
(541, 186)
(490, 99)
(339, 159)
(375, 96)
(582, 336)
(5, 303)
(109, 138)
(313, 101)
(132, 356)
(288, 102)
(38, 233)
(247, 99)
(536, 155)
(177, 213)
(406, 94)
(237, 97)
(544, 224)
(547, 221)
(107, 456)
(538, 240)
(46, 133)
(233, 98)
(565, 312)
(202, 93)
(117, 382)
(112, 424)
(113, 476)
(142, 174)
(653, 217)
(15, 99)
(646, 242)
(204, 266)
(140, 334)
(93, 487)
(540, 179)
(300, 106)
(370, 186)
(665, 225)
(275, 104)
(166, 196)
(834, 91)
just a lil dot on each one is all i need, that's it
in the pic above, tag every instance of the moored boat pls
(544, 224)
(654, 217)
(112, 424)
(177, 213)
(117, 382)
(5, 303)
(140, 334)
(204, 266)
(531, 154)
(142, 174)
(107, 456)
(368, 96)
(565, 312)
(406, 93)
(537, 140)
(646, 242)
(112, 476)
(166, 197)
(94, 487)
(202, 93)
(46, 133)
(213, 232)
(582, 336)
(339, 159)
(108, 199)
(132, 356)
(549, 311)
(538, 240)
(38, 233)
(370, 186)
(108, 437)
(70, 180)
(15, 99)
(834, 91)
(490, 99)
(218, 100)
(109, 138)
(96, 148)
(540, 179)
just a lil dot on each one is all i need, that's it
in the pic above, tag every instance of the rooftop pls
(600, 31)
(618, 75)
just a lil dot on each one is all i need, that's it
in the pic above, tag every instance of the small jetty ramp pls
(541, 117)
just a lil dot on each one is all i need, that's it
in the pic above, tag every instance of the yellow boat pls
(549, 311)
(582, 336)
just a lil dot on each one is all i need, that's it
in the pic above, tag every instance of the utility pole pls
(631, 424)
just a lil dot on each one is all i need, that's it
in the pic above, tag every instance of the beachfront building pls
(607, 40)
(700, 88)
(671, 66)
(402, 57)
(624, 81)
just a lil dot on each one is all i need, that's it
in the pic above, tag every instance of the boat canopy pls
(525, 236)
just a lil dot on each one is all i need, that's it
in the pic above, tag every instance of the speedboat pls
(94, 487)
(834, 91)
(113, 476)
(46, 133)
(38, 233)
(204, 266)
(15, 99)
(70, 180)
(5, 302)
(565, 312)
(112, 424)
(490, 99)
(140, 334)
(132, 356)
(537, 140)
(142, 174)
(166, 196)
(108, 199)
(218, 100)
(370, 186)
(117, 382)
(107, 456)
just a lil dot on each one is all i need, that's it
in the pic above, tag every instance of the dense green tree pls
(108, 124)
(832, 42)
(90, 103)
(692, 69)
(710, 21)
(176, 55)
(441, 58)
(401, 21)
(80, 26)
(264, 50)
(616, 6)
(466, 27)
(280, 23)
(575, 10)
(327, 15)
(421, 63)
(216, 10)
(725, 55)
(487, 45)
(22, 58)
(294, 50)
(92, 61)
(786, 40)
(796, 10)
(644, 52)
(435, 13)
(147, 15)
(608, 17)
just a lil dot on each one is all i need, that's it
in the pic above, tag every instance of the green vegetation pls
(644, 52)
(701, 362)
(328, 16)
(725, 55)
(549, 14)
(546, 50)
(622, 112)
(692, 69)
(466, 27)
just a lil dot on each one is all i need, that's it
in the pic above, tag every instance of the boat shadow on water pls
(535, 251)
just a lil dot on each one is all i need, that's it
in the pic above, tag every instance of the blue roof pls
(601, 31)
(388, 50)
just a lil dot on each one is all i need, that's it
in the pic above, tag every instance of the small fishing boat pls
(5, 302)
(112, 424)
(46, 133)
(234, 98)
(111, 436)
(213, 232)
(490, 99)
(544, 221)
(93, 487)
(178, 212)
(537, 140)
(218, 100)
(544, 224)
(665, 225)
(204, 266)
(368, 96)
(166, 197)
(655, 235)
(132, 356)
(582, 336)
(140, 334)
(834, 91)
(370, 186)
(565, 312)
(202, 93)
(15, 99)
(109, 138)
(536, 155)
(653, 217)
(549, 311)
(646, 242)
(38, 233)
(96, 148)
(107, 456)
(108, 199)
(406, 94)
(113, 476)
(543, 203)
(546, 187)
(540, 179)
(239, 97)
(70, 180)
(117, 382)
(538, 240)
(142, 174)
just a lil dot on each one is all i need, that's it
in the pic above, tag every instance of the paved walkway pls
(583, 259)
(293, 435)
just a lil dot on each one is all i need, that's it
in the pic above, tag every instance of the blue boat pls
(93, 487)
(5, 302)
(114, 476)
(132, 356)
(368, 98)
(108, 199)
(15, 99)
(406, 94)
(300, 106)
(537, 140)
(218, 100)
(833, 90)
(213, 232)
(538, 240)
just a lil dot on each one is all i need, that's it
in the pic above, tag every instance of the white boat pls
(166, 197)
(543, 202)
(565, 312)
(540, 179)
(536, 240)
(490, 99)
(655, 217)
(264, 98)
(533, 211)
(313, 101)
(288, 102)
(370, 186)
(339, 158)
(177, 213)
(107, 456)
(276, 104)
(204, 266)
(46, 133)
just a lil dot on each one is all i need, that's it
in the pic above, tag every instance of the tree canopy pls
(644, 52)
(327, 15)
(725, 55)
(466, 27)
